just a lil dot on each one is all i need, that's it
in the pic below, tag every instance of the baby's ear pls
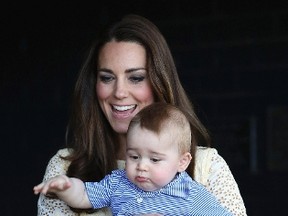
(184, 161)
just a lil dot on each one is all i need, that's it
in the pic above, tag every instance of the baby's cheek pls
(162, 177)
(129, 172)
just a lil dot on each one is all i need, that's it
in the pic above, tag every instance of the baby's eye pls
(106, 78)
(134, 157)
(155, 160)
(136, 79)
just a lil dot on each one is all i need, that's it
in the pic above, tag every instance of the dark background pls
(232, 60)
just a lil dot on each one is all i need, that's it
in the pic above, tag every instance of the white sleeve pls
(51, 206)
(214, 173)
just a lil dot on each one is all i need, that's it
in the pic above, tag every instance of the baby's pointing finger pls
(37, 189)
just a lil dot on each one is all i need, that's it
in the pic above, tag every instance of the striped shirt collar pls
(178, 187)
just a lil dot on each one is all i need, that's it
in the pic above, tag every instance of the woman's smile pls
(121, 112)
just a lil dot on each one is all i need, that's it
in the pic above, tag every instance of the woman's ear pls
(184, 161)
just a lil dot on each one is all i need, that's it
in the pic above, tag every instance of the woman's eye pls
(106, 78)
(136, 79)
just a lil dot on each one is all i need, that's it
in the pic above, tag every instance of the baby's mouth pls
(141, 179)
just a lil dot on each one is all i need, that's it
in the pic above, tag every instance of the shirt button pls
(139, 199)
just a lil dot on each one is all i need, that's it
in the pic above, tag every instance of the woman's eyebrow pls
(134, 69)
(104, 70)
(130, 70)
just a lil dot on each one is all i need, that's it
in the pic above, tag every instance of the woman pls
(129, 67)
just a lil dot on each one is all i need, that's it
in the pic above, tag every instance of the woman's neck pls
(121, 154)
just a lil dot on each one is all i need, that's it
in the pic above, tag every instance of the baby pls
(154, 181)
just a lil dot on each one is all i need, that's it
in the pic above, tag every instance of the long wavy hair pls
(89, 135)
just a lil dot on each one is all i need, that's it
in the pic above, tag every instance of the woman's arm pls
(214, 173)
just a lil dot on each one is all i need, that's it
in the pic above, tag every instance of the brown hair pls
(159, 117)
(88, 133)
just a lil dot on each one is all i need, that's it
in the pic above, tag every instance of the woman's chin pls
(121, 129)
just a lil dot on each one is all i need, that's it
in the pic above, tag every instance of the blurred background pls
(231, 57)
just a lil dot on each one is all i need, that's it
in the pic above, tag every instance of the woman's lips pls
(123, 111)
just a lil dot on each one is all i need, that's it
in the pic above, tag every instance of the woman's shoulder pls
(205, 157)
(212, 171)
(63, 152)
(202, 151)
(208, 155)
(58, 164)
(59, 156)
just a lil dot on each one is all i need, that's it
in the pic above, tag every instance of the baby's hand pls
(53, 185)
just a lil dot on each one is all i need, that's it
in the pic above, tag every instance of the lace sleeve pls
(222, 184)
(49, 206)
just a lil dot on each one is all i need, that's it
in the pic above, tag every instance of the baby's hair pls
(162, 116)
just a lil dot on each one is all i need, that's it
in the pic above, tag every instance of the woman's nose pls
(121, 90)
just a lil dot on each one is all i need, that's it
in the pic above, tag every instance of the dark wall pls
(232, 59)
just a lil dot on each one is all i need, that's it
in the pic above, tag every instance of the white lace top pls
(211, 170)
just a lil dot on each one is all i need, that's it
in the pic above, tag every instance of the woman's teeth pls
(123, 108)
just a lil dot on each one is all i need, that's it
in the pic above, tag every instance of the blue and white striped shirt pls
(182, 196)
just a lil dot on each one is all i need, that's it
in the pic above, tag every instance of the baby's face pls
(152, 161)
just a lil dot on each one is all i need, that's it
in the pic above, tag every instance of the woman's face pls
(122, 86)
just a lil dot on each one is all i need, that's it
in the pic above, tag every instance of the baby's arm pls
(70, 190)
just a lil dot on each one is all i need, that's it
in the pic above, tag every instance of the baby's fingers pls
(60, 185)
(53, 185)
(43, 188)
(38, 188)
